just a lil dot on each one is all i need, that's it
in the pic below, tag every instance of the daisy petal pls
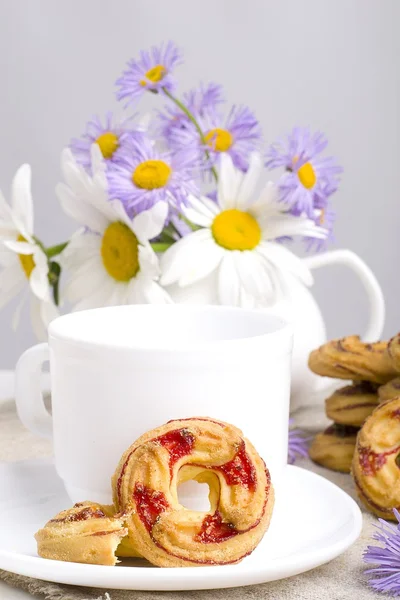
(82, 212)
(251, 273)
(149, 292)
(228, 282)
(249, 182)
(204, 206)
(97, 161)
(36, 320)
(21, 199)
(176, 260)
(19, 247)
(285, 261)
(7, 258)
(16, 317)
(82, 246)
(267, 203)
(229, 183)
(48, 312)
(7, 226)
(98, 298)
(195, 217)
(148, 261)
(148, 224)
(39, 283)
(86, 279)
(288, 225)
(12, 283)
(204, 259)
(246, 300)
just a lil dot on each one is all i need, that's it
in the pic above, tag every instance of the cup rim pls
(283, 329)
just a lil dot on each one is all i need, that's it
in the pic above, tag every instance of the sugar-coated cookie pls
(376, 462)
(241, 494)
(86, 533)
(350, 358)
(389, 390)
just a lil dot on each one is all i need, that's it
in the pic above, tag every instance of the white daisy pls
(236, 239)
(110, 261)
(22, 260)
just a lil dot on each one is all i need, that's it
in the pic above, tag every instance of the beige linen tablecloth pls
(341, 579)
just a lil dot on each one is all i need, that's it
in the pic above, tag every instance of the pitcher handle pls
(370, 283)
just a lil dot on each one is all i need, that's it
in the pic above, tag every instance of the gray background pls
(333, 65)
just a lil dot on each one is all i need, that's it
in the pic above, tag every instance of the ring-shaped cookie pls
(352, 404)
(241, 495)
(350, 358)
(334, 447)
(393, 351)
(390, 390)
(376, 462)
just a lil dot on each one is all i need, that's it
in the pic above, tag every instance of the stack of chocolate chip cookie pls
(373, 372)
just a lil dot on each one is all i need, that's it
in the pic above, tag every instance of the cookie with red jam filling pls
(86, 533)
(376, 461)
(209, 451)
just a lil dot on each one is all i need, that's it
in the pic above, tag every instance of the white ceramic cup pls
(118, 372)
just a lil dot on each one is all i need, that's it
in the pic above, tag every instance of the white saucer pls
(314, 521)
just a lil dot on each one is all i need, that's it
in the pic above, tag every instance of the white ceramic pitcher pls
(300, 308)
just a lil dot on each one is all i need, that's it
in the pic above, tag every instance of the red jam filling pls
(178, 442)
(214, 530)
(396, 413)
(370, 461)
(149, 504)
(240, 470)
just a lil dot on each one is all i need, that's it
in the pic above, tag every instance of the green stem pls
(54, 280)
(191, 118)
(161, 246)
(54, 250)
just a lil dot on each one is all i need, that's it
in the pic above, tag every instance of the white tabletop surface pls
(7, 392)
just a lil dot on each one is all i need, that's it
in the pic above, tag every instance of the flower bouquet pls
(167, 201)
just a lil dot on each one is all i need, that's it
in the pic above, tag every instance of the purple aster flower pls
(151, 72)
(145, 176)
(110, 137)
(200, 101)
(298, 443)
(310, 178)
(387, 557)
(238, 135)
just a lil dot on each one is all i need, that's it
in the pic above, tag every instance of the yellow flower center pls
(120, 252)
(108, 143)
(151, 174)
(26, 260)
(307, 175)
(236, 230)
(154, 75)
(219, 140)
